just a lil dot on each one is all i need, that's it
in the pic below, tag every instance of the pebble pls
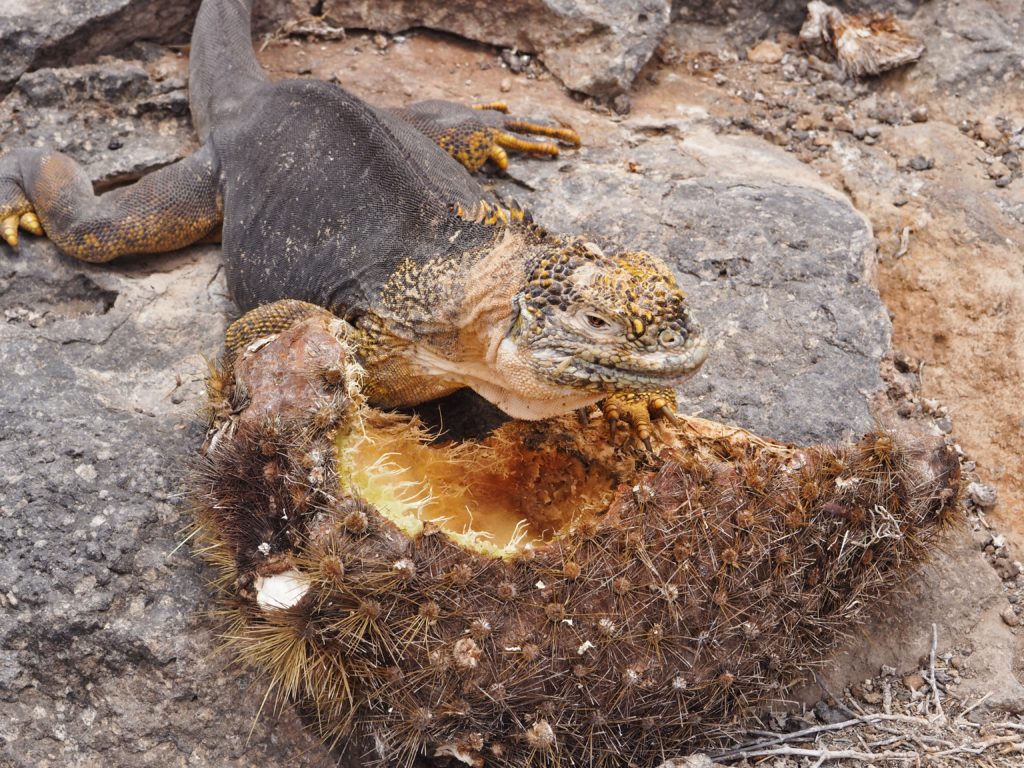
(874, 131)
(988, 132)
(921, 163)
(380, 41)
(1010, 617)
(998, 169)
(1004, 181)
(944, 424)
(914, 682)
(843, 124)
(506, 85)
(860, 132)
(983, 495)
(919, 115)
(765, 52)
(621, 104)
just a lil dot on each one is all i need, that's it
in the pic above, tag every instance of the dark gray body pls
(324, 196)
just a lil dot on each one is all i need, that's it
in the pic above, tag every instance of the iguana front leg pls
(636, 411)
(474, 135)
(47, 192)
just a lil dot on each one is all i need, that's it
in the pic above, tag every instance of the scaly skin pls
(442, 289)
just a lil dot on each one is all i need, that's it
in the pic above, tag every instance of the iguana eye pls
(597, 322)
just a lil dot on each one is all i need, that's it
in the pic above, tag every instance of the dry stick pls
(827, 754)
(973, 706)
(782, 738)
(931, 667)
(904, 243)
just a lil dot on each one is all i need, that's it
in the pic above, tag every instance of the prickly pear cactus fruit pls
(538, 597)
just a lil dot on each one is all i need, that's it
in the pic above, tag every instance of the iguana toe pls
(9, 229)
(30, 223)
(635, 413)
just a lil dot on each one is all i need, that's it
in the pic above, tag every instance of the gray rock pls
(775, 265)
(593, 46)
(56, 32)
(973, 49)
(118, 118)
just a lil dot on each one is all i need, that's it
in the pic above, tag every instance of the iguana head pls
(605, 323)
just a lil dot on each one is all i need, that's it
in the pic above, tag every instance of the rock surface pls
(36, 33)
(595, 46)
(776, 266)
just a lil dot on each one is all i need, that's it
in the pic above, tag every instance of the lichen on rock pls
(536, 596)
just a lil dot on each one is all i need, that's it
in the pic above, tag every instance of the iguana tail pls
(223, 69)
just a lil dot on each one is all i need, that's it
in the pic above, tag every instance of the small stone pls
(506, 84)
(1010, 617)
(860, 132)
(843, 124)
(380, 41)
(945, 425)
(874, 131)
(765, 52)
(621, 104)
(982, 495)
(989, 133)
(86, 471)
(804, 123)
(1004, 181)
(997, 170)
(921, 163)
(822, 140)
(914, 682)
(919, 114)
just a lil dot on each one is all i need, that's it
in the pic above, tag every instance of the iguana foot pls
(505, 136)
(16, 210)
(633, 412)
(266, 320)
(474, 135)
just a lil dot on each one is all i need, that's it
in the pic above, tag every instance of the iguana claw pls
(635, 410)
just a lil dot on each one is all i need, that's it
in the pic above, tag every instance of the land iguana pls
(326, 202)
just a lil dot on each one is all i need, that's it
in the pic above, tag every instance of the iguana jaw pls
(506, 378)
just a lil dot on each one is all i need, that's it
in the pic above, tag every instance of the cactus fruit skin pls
(696, 587)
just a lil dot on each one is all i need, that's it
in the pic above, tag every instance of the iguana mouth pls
(592, 369)
(643, 377)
